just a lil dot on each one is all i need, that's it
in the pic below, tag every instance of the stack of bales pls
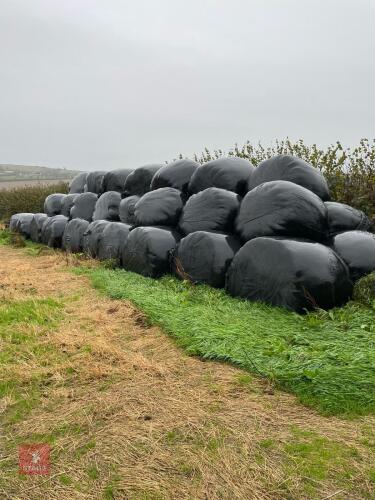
(267, 234)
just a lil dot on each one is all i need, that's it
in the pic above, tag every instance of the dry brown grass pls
(147, 420)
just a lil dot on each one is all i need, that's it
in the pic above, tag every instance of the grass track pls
(326, 358)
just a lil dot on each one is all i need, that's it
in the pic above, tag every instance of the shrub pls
(364, 290)
(350, 172)
(27, 199)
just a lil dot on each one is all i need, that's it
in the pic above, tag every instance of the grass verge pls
(326, 358)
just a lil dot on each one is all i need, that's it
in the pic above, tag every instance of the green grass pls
(313, 455)
(18, 241)
(316, 459)
(326, 358)
(5, 237)
(23, 325)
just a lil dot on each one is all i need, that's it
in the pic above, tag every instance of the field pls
(131, 413)
(9, 185)
(21, 173)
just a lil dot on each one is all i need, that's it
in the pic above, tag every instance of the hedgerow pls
(350, 172)
(27, 199)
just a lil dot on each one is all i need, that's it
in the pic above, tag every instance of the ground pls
(129, 415)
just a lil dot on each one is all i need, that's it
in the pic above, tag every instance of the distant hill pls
(10, 172)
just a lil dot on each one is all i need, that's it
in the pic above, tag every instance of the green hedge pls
(27, 199)
(364, 290)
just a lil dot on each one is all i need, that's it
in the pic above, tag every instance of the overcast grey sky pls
(117, 83)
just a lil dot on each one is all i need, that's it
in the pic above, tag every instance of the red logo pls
(34, 459)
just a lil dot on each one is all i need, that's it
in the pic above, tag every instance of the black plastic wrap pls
(231, 173)
(147, 251)
(53, 204)
(112, 241)
(296, 275)
(107, 207)
(282, 208)
(292, 169)
(126, 209)
(357, 249)
(342, 218)
(213, 209)
(84, 206)
(204, 257)
(36, 225)
(94, 181)
(67, 204)
(72, 240)
(77, 184)
(114, 180)
(138, 182)
(91, 237)
(21, 223)
(53, 230)
(175, 175)
(161, 207)
(13, 222)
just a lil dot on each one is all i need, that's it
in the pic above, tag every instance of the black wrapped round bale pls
(204, 257)
(296, 275)
(72, 240)
(231, 173)
(84, 206)
(161, 207)
(114, 180)
(67, 204)
(343, 218)
(213, 209)
(36, 225)
(94, 181)
(21, 223)
(357, 249)
(77, 185)
(107, 206)
(292, 169)
(147, 251)
(126, 209)
(13, 223)
(91, 237)
(282, 208)
(138, 182)
(175, 175)
(53, 204)
(52, 230)
(24, 224)
(112, 240)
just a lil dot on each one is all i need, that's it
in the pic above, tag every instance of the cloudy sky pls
(110, 83)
